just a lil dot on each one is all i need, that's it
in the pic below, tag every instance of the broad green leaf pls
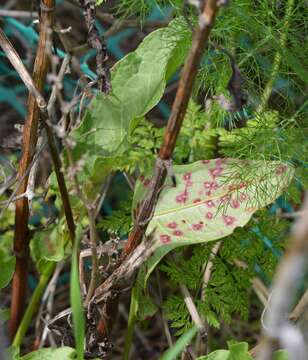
(210, 200)
(281, 355)
(63, 353)
(178, 347)
(7, 266)
(76, 302)
(237, 351)
(50, 245)
(138, 82)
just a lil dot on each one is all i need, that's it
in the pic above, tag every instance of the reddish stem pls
(30, 136)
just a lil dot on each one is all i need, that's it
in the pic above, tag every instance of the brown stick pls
(188, 75)
(30, 136)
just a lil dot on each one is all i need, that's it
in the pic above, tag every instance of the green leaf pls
(49, 245)
(281, 355)
(138, 82)
(146, 307)
(63, 353)
(4, 315)
(237, 351)
(179, 346)
(7, 266)
(76, 303)
(210, 200)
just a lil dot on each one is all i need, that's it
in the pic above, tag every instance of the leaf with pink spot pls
(210, 200)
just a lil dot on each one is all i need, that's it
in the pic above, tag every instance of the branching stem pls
(188, 75)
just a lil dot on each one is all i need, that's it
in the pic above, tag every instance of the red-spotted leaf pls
(212, 198)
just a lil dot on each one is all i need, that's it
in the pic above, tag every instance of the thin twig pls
(18, 13)
(208, 268)
(98, 43)
(193, 311)
(27, 172)
(300, 308)
(115, 28)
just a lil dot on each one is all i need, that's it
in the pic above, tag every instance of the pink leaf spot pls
(235, 204)
(209, 215)
(225, 199)
(177, 233)
(243, 197)
(281, 169)
(198, 226)
(189, 183)
(181, 197)
(217, 171)
(146, 182)
(187, 176)
(242, 184)
(172, 225)
(209, 203)
(165, 239)
(210, 185)
(228, 220)
(219, 162)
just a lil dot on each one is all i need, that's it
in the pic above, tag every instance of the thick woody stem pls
(30, 136)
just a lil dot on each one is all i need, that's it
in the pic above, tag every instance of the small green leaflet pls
(138, 82)
(7, 264)
(211, 199)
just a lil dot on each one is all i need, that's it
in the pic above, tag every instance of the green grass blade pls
(178, 347)
(77, 306)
